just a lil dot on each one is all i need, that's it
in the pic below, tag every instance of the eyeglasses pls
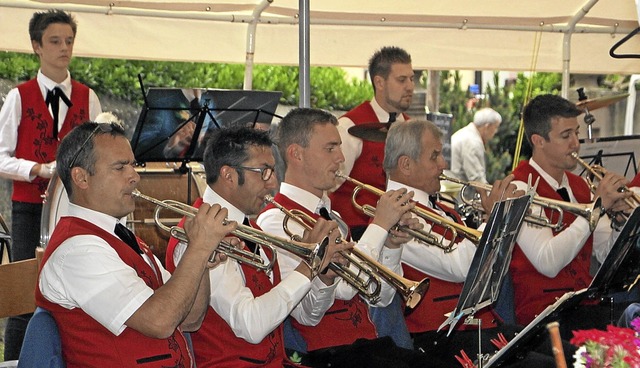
(103, 127)
(265, 172)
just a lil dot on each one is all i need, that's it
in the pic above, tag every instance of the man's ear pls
(227, 174)
(378, 81)
(404, 164)
(294, 153)
(79, 177)
(538, 140)
(36, 47)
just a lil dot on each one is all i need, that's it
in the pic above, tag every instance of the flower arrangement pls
(614, 348)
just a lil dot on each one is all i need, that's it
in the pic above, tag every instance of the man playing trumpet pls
(413, 161)
(309, 143)
(546, 262)
(113, 302)
(243, 324)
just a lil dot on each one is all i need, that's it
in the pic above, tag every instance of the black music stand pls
(619, 272)
(169, 112)
(491, 261)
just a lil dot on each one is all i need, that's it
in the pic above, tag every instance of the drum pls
(158, 180)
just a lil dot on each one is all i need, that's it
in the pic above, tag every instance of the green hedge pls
(331, 88)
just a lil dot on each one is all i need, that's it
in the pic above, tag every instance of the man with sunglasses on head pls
(34, 117)
(243, 326)
(111, 299)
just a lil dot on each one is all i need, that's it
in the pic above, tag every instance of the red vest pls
(346, 320)
(85, 342)
(635, 182)
(367, 169)
(35, 133)
(534, 291)
(216, 345)
(442, 296)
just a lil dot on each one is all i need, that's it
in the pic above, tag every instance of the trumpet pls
(598, 172)
(426, 237)
(411, 291)
(590, 211)
(311, 254)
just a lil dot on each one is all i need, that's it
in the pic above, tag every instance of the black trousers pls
(25, 237)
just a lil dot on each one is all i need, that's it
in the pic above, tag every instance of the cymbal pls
(374, 132)
(596, 103)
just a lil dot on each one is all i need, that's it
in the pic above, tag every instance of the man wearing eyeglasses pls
(113, 303)
(243, 326)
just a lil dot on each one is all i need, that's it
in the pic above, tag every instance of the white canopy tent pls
(573, 35)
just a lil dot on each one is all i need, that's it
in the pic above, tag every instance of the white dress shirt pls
(429, 259)
(251, 318)
(86, 272)
(17, 168)
(549, 254)
(352, 146)
(468, 155)
(372, 241)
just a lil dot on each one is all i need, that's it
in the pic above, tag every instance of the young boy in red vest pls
(35, 116)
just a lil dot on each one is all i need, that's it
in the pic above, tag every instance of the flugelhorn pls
(411, 291)
(311, 254)
(598, 172)
(426, 237)
(590, 211)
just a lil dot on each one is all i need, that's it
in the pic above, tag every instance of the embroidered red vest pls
(35, 133)
(442, 296)
(85, 342)
(216, 345)
(534, 291)
(635, 182)
(367, 169)
(346, 320)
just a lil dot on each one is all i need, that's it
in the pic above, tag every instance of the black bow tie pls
(53, 99)
(251, 245)
(127, 236)
(564, 194)
(392, 117)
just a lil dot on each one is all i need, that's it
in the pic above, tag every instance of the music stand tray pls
(491, 260)
(619, 272)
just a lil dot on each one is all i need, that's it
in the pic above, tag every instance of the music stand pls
(194, 113)
(491, 260)
(620, 271)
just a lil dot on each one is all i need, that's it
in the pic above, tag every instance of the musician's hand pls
(208, 227)
(334, 255)
(391, 206)
(44, 170)
(322, 229)
(218, 257)
(501, 189)
(397, 237)
(609, 191)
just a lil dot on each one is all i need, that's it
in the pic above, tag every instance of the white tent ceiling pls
(440, 34)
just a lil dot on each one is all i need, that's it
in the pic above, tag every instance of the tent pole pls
(304, 80)
(251, 44)
(566, 45)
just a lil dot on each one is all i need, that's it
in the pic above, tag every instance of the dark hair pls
(230, 146)
(380, 63)
(41, 20)
(77, 149)
(297, 126)
(540, 111)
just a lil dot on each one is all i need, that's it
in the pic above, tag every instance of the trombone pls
(312, 254)
(426, 237)
(598, 172)
(411, 291)
(590, 211)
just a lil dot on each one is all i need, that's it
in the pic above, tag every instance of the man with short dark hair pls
(111, 299)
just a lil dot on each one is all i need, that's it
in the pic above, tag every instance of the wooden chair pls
(18, 285)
